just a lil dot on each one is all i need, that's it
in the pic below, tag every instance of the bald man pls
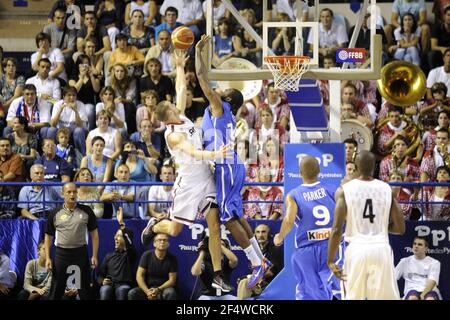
(310, 207)
(371, 211)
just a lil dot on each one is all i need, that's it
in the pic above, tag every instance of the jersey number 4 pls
(368, 211)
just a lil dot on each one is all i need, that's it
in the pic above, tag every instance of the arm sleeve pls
(23, 197)
(28, 277)
(143, 263)
(435, 271)
(50, 225)
(173, 264)
(92, 220)
(399, 269)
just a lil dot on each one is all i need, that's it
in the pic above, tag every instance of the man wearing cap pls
(68, 226)
(115, 275)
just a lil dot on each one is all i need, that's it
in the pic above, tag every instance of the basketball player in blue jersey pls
(219, 125)
(310, 207)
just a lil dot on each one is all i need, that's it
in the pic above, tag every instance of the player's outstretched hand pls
(277, 240)
(203, 41)
(181, 57)
(225, 151)
(337, 271)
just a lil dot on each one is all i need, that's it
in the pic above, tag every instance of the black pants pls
(72, 265)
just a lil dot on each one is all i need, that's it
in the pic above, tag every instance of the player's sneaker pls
(219, 283)
(258, 273)
(147, 234)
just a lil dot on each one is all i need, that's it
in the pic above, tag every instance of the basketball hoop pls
(287, 70)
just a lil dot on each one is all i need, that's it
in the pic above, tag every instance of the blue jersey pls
(314, 219)
(229, 173)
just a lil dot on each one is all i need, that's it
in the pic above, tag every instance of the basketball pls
(182, 38)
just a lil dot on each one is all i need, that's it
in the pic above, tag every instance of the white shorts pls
(191, 198)
(370, 272)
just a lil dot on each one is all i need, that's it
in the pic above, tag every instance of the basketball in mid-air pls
(182, 38)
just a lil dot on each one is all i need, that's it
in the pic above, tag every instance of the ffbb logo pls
(350, 55)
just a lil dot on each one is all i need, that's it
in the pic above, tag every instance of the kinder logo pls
(350, 55)
(318, 234)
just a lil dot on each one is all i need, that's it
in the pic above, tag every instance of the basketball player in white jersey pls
(194, 188)
(370, 211)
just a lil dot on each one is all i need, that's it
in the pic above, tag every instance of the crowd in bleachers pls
(98, 75)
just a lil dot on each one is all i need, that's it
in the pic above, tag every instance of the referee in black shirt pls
(69, 226)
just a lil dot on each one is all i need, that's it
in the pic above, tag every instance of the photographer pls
(203, 267)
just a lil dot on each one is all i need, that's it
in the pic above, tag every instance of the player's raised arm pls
(340, 214)
(180, 82)
(397, 222)
(213, 97)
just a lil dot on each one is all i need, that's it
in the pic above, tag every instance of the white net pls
(287, 71)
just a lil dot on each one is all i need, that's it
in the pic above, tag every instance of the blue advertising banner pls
(331, 157)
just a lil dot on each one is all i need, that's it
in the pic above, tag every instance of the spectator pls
(157, 273)
(115, 111)
(146, 111)
(243, 42)
(37, 280)
(170, 21)
(128, 55)
(289, 7)
(23, 143)
(139, 35)
(349, 111)
(70, 113)
(418, 10)
(401, 194)
(125, 91)
(88, 193)
(438, 156)
(54, 55)
(439, 7)
(115, 192)
(440, 74)
(110, 14)
(391, 130)
(73, 8)
(8, 278)
(117, 268)
(61, 36)
(279, 106)
(439, 102)
(366, 93)
(71, 244)
(11, 164)
(97, 62)
(193, 109)
(268, 210)
(142, 168)
(47, 88)
(440, 40)
(438, 211)
(271, 252)
(111, 136)
(147, 140)
(203, 267)
(362, 111)
(398, 160)
(429, 137)
(351, 147)
(191, 14)
(56, 168)
(331, 35)
(269, 129)
(219, 12)
(39, 194)
(93, 31)
(407, 37)
(258, 8)
(282, 39)
(63, 148)
(243, 151)
(421, 273)
(11, 84)
(148, 8)
(163, 51)
(88, 86)
(34, 109)
(7, 209)
(98, 163)
(192, 81)
(223, 43)
(155, 80)
(160, 210)
(272, 158)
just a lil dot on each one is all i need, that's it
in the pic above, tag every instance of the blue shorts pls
(229, 183)
(315, 281)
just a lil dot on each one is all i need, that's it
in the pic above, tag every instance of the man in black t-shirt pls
(157, 273)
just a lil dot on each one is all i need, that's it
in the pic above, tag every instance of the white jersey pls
(188, 166)
(368, 211)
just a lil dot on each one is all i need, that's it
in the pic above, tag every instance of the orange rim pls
(282, 59)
